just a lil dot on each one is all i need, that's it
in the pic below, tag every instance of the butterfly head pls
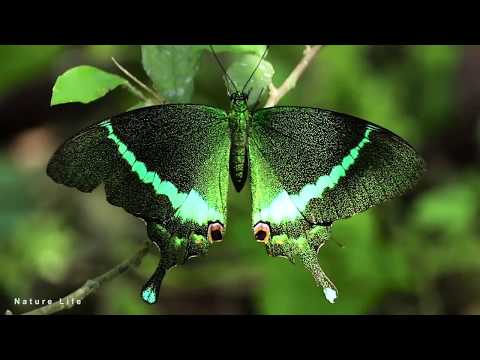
(238, 98)
(239, 101)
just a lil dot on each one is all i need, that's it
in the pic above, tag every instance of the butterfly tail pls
(310, 261)
(151, 288)
(304, 245)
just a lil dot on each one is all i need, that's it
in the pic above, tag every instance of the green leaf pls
(256, 49)
(172, 69)
(241, 70)
(84, 84)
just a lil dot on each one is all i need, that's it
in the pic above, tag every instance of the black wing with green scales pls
(310, 167)
(326, 166)
(166, 164)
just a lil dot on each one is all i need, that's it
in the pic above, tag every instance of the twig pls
(90, 286)
(145, 87)
(136, 92)
(277, 93)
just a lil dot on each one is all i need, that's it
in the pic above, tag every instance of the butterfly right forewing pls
(332, 165)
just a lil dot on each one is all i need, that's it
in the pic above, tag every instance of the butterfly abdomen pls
(238, 149)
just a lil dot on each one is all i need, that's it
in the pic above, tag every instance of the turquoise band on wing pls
(288, 207)
(190, 206)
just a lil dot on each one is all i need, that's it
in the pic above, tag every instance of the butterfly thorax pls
(239, 122)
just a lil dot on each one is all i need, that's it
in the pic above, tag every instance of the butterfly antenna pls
(257, 102)
(223, 69)
(256, 68)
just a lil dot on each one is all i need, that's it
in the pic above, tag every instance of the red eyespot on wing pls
(262, 232)
(215, 232)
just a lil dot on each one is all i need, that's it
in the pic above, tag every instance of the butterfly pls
(170, 165)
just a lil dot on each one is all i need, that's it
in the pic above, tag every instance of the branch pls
(91, 286)
(277, 93)
(136, 92)
(142, 85)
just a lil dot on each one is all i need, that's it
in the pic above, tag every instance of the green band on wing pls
(285, 207)
(190, 206)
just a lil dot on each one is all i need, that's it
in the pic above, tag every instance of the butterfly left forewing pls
(165, 164)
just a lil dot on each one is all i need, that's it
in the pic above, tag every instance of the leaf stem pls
(277, 93)
(136, 92)
(157, 97)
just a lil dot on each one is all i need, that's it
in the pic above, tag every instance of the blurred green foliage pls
(178, 66)
(416, 254)
(21, 63)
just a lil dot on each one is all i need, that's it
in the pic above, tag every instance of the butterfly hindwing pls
(166, 164)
